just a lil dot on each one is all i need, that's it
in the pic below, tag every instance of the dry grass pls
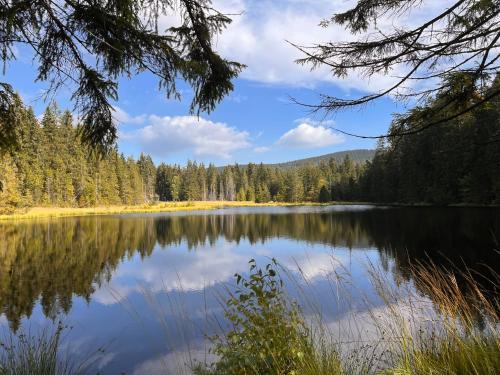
(40, 212)
(462, 339)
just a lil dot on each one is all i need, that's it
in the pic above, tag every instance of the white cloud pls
(309, 136)
(261, 150)
(310, 121)
(258, 38)
(167, 135)
(122, 117)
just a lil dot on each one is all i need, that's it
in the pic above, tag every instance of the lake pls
(147, 287)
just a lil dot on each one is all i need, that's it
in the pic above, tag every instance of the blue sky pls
(257, 122)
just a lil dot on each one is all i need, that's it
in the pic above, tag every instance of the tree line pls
(456, 162)
(52, 167)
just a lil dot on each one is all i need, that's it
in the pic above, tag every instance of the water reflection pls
(92, 268)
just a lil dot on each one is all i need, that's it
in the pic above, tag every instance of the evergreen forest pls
(456, 162)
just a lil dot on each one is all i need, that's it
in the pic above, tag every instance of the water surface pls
(145, 286)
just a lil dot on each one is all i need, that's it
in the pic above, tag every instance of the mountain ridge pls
(357, 155)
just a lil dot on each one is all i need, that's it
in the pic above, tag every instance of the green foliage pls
(359, 156)
(324, 195)
(471, 356)
(444, 63)
(262, 195)
(268, 334)
(9, 190)
(147, 170)
(51, 167)
(9, 102)
(261, 183)
(456, 162)
(92, 44)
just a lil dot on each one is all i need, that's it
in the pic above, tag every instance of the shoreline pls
(57, 212)
(185, 206)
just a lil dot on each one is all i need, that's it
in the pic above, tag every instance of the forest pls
(456, 162)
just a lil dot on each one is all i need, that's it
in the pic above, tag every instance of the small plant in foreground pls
(268, 334)
(39, 354)
(29, 355)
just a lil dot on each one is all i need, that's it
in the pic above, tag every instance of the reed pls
(26, 354)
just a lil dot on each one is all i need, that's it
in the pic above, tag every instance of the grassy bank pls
(45, 212)
(40, 212)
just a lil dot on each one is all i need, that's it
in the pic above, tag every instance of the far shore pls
(43, 212)
(158, 207)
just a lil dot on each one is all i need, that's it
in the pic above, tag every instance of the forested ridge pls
(456, 162)
(358, 156)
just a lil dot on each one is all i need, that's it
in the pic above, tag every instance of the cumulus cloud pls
(259, 35)
(122, 117)
(310, 136)
(167, 135)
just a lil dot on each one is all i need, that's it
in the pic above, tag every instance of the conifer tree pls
(9, 190)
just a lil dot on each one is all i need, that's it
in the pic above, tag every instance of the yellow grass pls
(39, 212)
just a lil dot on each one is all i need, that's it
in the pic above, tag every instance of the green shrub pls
(268, 334)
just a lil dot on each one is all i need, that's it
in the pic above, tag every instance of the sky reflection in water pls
(147, 287)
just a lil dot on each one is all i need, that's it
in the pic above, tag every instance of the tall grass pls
(40, 354)
(25, 354)
(465, 338)
(438, 326)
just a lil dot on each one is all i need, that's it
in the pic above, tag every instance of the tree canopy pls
(454, 51)
(89, 44)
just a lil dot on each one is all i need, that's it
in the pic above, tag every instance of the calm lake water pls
(147, 287)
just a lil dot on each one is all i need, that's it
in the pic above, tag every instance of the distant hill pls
(361, 155)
